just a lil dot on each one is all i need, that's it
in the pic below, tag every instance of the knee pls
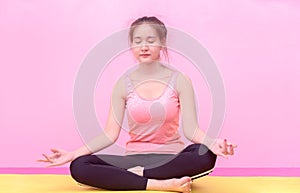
(206, 155)
(76, 167)
(76, 163)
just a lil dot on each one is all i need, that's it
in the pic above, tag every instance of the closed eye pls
(137, 40)
(151, 39)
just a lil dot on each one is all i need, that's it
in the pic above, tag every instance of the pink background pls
(254, 43)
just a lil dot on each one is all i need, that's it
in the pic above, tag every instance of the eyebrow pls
(138, 37)
(151, 37)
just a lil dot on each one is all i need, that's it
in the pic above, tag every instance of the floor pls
(44, 183)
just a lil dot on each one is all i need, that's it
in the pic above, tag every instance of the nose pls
(144, 47)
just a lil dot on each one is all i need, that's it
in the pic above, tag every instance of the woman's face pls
(146, 44)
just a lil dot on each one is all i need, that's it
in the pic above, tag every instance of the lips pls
(144, 55)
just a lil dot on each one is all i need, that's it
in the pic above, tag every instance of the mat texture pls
(44, 183)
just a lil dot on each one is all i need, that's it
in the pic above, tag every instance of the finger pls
(231, 151)
(54, 150)
(224, 148)
(223, 155)
(54, 156)
(51, 157)
(233, 145)
(42, 160)
(54, 164)
(50, 165)
(47, 158)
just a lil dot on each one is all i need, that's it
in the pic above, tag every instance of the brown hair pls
(158, 25)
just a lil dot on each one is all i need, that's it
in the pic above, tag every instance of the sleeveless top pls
(153, 123)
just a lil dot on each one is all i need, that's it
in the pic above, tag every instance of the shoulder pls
(183, 80)
(183, 83)
(120, 87)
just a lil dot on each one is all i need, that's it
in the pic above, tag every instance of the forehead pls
(145, 30)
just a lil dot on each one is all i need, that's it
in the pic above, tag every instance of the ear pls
(163, 43)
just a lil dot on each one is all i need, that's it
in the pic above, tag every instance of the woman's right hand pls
(58, 157)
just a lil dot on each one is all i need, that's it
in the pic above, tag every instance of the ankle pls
(153, 184)
(178, 185)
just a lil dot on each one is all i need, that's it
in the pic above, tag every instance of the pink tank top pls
(153, 123)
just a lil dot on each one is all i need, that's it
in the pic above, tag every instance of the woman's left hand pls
(223, 148)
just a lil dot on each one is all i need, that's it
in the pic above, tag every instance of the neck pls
(150, 68)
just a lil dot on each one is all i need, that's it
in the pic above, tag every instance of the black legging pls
(110, 171)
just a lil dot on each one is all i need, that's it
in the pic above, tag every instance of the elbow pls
(112, 137)
(193, 135)
(189, 136)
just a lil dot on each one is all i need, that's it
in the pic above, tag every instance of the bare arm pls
(113, 124)
(188, 110)
(105, 139)
(190, 122)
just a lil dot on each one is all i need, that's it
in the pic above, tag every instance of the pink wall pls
(254, 43)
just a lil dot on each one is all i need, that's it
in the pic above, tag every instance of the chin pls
(146, 61)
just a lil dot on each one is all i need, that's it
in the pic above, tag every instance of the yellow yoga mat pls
(44, 183)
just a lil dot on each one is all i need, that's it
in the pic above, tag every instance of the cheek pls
(135, 51)
(155, 50)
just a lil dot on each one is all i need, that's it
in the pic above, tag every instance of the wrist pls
(208, 141)
(74, 155)
(84, 150)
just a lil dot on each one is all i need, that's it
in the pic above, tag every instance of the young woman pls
(152, 96)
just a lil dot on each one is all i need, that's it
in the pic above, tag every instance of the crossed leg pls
(171, 174)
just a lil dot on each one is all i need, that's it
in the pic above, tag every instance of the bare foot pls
(178, 185)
